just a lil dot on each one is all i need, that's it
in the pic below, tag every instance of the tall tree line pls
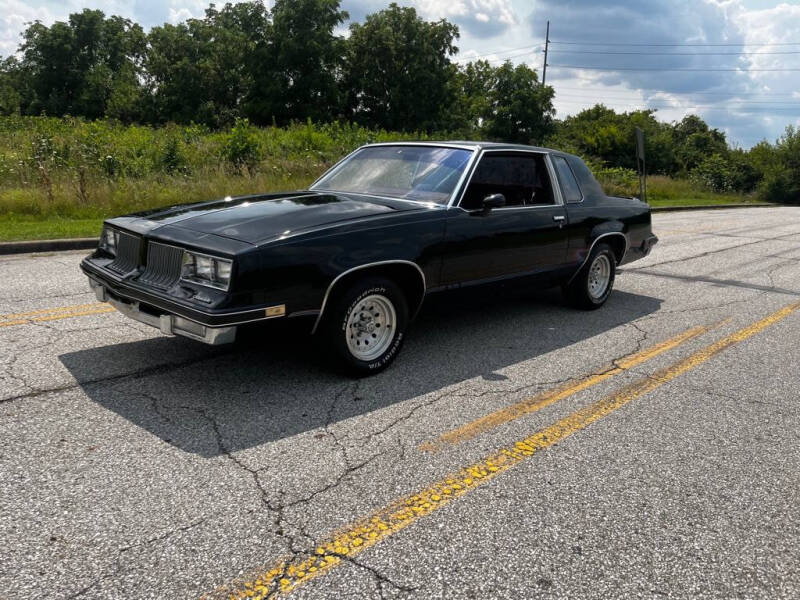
(289, 63)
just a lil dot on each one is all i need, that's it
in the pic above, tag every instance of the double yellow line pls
(288, 573)
(538, 402)
(54, 314)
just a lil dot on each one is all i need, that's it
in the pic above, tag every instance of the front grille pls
(128, 250)
(163, 267)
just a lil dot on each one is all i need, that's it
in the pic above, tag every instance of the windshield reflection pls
(421, 173)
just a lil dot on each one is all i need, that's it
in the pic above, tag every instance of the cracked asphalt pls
(135, 465)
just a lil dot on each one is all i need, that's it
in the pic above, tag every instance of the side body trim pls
(589, 252)
(358, 268)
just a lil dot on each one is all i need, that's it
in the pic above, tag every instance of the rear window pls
(569, 185)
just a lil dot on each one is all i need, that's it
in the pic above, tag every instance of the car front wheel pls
(592, 285)
(367, 324)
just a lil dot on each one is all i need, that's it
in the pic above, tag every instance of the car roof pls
(471, 144)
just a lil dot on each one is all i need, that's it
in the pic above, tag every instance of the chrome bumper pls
(166, 323)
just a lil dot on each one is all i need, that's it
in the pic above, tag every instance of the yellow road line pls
(96, 311)
(54, 310)
(548, 397)
(54, 314)
(289, 573)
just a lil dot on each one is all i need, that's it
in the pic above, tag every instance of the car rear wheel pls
(366, 325)
(592, 285)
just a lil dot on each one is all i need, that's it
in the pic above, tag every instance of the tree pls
(398, 72)
(13, 87)
(602, 134)
(201, 70)
(695, 141)
(782, 177)
(84, 66)
(472, 86)
(296, 75)
(520, 109)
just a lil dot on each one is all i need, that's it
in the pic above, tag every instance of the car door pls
(526, 236)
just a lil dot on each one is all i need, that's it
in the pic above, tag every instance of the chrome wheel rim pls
(370, 327)
(599, 276)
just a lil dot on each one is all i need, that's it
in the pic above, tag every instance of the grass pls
(59, 178)
(665, 191)
(42, 218)
(52, 228)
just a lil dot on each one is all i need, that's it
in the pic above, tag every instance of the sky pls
(741, 85)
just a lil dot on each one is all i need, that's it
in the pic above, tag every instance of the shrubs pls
(617, 181)
(726, 173)
(242, 147)
(75, 168)
(71, 167)
(780, 164)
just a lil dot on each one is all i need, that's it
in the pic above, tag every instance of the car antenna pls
(641, 167)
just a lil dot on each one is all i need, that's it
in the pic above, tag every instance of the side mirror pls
(493, 201)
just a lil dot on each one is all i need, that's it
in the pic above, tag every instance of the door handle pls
(558, 218)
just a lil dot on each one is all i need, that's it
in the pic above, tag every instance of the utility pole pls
(546, 46)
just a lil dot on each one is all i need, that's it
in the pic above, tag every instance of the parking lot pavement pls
(516, 449)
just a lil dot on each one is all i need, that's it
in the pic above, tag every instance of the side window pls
(522, 178)
(569, 185)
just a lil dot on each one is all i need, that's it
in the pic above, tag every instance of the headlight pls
(108, 240)
(206, 270)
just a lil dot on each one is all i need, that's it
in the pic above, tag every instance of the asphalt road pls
(516, 449)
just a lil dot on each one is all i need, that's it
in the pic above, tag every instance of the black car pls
(358, 252)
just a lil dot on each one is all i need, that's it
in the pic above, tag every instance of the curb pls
(48, 245)
(711, 207)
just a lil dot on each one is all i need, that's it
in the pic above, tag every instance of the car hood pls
(255, 219)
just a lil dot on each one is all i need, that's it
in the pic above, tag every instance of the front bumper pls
(167, 323)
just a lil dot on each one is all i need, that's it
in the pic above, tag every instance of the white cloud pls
(481, 18)
(731, 95)
(14, 17)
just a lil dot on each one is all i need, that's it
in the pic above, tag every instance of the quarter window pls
(569, 185)
(521, 178)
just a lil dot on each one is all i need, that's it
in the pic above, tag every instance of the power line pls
(504, 58)
(732, 100)
(710, 107)
(571, 43)
(614, 52)
(659, 90)
(741, 70)
(495, 53)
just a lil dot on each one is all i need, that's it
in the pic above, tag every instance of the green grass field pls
(59, 178)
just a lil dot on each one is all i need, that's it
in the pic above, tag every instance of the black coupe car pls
(358, 252)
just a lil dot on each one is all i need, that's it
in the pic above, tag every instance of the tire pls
(592, 285)
(351, 326)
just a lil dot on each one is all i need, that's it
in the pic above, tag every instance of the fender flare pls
(377, 264)
(592, 245)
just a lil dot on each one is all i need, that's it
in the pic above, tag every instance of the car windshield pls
(422, 173)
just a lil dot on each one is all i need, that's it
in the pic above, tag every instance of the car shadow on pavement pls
(277, 383)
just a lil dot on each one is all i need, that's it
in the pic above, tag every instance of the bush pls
(242, 146)
(172, 158)
(779, 186)
(726, 173)
(714, 172)
(617, 181)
